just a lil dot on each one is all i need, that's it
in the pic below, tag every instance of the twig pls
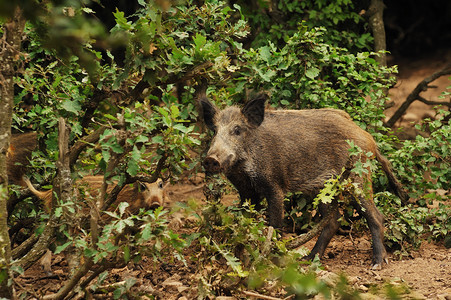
(415, 95)
(350, 236)
(23, 248)
(429, 102)
(260, 296)
(22, 288)
(267, 245)
(69, 285)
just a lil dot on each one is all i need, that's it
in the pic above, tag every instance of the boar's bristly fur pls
(266, 154)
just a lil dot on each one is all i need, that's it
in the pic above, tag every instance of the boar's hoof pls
(376, 267)
(212, 165)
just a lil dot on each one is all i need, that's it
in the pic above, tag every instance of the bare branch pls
(81, 144)
(25, 247)
(415, 95)
(67, 288)
(429, 102)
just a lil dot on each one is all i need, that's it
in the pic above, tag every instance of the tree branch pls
(429, 102)
(81, 144)
(62, 293)
(415, 95)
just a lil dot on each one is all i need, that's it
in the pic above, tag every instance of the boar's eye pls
(160, 184)
(142, 186)
(236, 130)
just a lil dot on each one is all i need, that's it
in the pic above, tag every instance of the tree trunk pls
(9, 54)
(376, 21)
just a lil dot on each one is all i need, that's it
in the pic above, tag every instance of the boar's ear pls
(208, 112)
(254, 110)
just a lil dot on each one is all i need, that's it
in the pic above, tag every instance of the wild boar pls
(18, 155)
(266, 154)
(138, 195)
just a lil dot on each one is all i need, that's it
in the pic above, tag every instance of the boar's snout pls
(212, 165)
(155, 202)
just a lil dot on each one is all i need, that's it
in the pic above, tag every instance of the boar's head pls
(233, 130)
(150, 195)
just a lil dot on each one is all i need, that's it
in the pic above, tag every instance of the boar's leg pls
(375, 222)
(328, 232)
(373, 217)
(275, 208)
(253, 197)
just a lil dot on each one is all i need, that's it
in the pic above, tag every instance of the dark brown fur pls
(18, 156)
(266, 154)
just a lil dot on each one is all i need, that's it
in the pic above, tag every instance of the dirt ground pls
(426, 273)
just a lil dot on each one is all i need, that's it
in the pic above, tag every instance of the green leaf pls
(158, 139)
(175, 112)
(199, 41)
(110, 117)
(265, 53)
(232, 261)
(61, 248)
(181, 128)
(121, 20)
(312, 73)
(122, 207)
(116, 148)
(71, 106)
(146, 233)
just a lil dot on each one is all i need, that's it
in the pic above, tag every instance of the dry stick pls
(267, 245)
(415, 95)
(40, 247)
(105, 266)
(260, 296)
(23, 248)
(304, 238)
(69, 285)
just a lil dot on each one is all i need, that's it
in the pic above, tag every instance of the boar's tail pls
(393, 181)
(45, 196)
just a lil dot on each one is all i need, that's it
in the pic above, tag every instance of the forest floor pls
(424, 274)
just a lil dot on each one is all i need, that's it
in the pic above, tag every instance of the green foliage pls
(307, 72)
(148, 137)
(342, 20)
(239, 238)
(427, 155)
(165, 45)
(308, 54)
